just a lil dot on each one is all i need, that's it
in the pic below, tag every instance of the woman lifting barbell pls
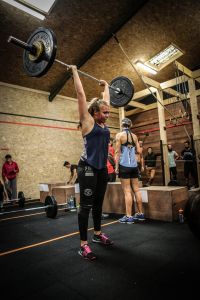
(92, 170)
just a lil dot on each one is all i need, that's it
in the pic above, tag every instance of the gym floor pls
(152, 260)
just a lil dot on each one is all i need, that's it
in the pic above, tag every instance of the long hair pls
(94, 105)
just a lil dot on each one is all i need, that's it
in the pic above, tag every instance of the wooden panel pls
(62, 193)
(50, 186)
(176, 136)
(163, 202)
(114, 199)
(160, 205)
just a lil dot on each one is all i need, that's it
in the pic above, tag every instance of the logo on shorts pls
(88, 192)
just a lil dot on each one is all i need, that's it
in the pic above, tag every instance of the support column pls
(121, 116)
(195, 123)
(163, 134)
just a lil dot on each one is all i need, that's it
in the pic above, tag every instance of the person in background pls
(140, 160)
(10, 170)
(126, 165)
(172, 157)
(111, 162)
(150, 165)
(111, 169)
(188, 155)
(2, 195)
(73, 172)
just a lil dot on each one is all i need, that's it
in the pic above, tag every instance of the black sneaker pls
(102, 239)
(87, 253)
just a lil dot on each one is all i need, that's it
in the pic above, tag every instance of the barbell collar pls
(31, 48)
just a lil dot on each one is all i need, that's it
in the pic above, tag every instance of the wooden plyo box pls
(62, 193)
(164, 202)
(46, 189)
(159, 202)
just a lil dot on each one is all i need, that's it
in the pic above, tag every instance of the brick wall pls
(40, 146)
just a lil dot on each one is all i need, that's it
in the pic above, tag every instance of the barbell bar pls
(51, 208)
(39, 55)
(33, 51)
(116, 90)
(21, 200)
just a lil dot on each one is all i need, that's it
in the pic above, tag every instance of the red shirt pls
(9, 170)
(110, 168)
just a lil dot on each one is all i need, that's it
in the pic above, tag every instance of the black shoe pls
(102, 239)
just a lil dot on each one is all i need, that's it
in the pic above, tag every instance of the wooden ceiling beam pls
(196, 74)
(151, 82)
(184, 69)
(141, 94)
(132, 112)
(173, 82)
(138, 105)
(172, 92)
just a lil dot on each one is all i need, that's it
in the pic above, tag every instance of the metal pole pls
(33, 208)
(117, 90)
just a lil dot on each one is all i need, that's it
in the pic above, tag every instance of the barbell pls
(21, 200)
(40, 53)
(50, 206)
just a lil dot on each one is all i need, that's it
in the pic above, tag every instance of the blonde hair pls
(94, 105)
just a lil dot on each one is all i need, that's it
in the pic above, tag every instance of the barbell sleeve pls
(22, 44)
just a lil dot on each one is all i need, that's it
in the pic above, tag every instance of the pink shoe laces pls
(103, 237)
(87, 250)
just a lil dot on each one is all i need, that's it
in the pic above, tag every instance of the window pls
(36, 8)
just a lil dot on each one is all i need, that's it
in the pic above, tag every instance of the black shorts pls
(127, 172)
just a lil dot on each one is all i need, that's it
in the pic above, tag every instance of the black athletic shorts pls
(127, 172)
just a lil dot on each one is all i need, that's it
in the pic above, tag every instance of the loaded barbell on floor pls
(39, 55)
(21, 200)
(50, 206)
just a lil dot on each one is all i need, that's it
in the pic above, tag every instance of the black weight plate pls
(127, 91)
(43, 64)
(192, 214)
(21, 198)
(51, 211)
(21, 195)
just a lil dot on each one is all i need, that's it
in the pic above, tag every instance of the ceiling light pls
(146, 68)
(43, 7)
(164, 57)
(35, 8)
